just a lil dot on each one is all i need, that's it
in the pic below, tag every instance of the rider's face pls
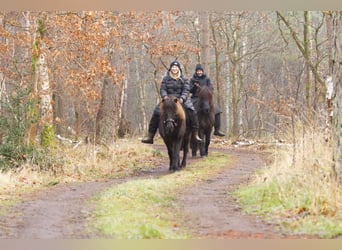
(199, 72)
(174, 69)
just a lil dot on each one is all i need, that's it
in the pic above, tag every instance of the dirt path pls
(215, 213)
(59, 213)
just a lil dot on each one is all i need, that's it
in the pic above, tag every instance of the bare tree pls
(337, 100)
(311, 63)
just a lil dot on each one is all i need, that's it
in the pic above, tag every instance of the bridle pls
(170, 120)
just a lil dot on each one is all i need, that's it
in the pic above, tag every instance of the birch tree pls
(43, 83)
(41, 93)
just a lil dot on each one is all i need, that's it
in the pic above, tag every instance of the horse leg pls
(194, 146)
(185, 149)
(169, 151)
(181, 146)
(177, 152)
(175, 156)
(207, 142)
(202, 144)
(202, 148)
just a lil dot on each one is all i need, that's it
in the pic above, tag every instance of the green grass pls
(298, 192)
(317, 225)
(260, 199)
(293, 205)
(147, 209)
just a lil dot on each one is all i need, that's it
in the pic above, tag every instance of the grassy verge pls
(297, 191)
(145, 209)
(81, 164)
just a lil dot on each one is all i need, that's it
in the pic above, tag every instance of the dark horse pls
(173, 130)
(204, 106)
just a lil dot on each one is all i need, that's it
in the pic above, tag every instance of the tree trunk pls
(228, 97)
(2, 89)
(328, 20)
(123, 127)
(106, 119)
(142, 96)
(307, 55)
(337, 99)
(62, 103)
(235, 100)
(44, 91)
(217, 83)
(235, 87)
(259, 115)
(204, 21)
(42, 87)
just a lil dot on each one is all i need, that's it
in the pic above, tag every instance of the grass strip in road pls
(147, 209)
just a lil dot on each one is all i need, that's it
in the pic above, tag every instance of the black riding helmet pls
(175, 63)
(199, 67)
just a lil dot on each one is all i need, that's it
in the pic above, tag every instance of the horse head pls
(205, 99)
(172, 113)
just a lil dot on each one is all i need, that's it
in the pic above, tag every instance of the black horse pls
(173, 130)
(204, 106)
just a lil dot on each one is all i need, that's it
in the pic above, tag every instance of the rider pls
(173, 84)
(201, 79)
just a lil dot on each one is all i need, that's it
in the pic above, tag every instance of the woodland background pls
(94, 75)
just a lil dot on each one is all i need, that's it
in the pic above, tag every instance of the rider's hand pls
(180, 100)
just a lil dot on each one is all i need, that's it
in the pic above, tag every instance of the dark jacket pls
(176, 87)
(203, 81)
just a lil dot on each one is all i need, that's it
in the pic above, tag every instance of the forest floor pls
(209, 209)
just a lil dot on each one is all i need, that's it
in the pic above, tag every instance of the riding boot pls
(152, 129)
(194, 124)
(217, 126)
(148, 139)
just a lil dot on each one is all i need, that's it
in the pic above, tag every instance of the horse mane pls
(180, 111)
(205, 91)
(173, 104)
